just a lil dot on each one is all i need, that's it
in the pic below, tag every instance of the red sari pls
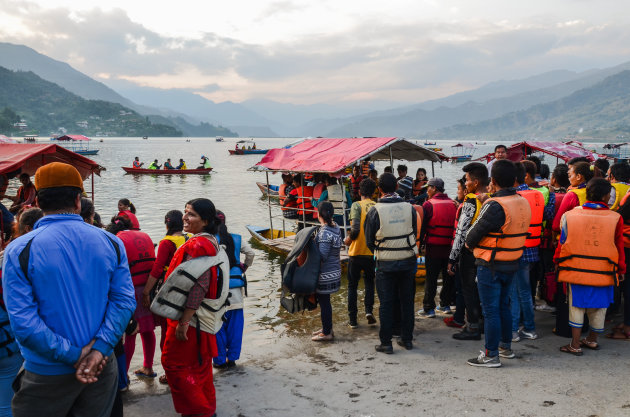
(190, 380)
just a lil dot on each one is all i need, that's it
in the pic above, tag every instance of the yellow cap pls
(57, 174)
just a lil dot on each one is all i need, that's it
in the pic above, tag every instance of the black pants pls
(535, 278)
(435, 267)
(356, 264)
(326, 311)
(625, 290)
(468, 271)
(392, 284)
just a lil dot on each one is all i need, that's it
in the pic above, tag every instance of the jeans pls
(9, 367)
(392, 284)
(460, 305)
(435, 267)
(356, 264)
(521, 298)
(468, 272)
(625, 290)
(494, 293)
(326, 311)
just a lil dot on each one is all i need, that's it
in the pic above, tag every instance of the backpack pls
(300, 273)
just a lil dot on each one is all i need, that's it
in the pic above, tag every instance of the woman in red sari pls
(187, 353)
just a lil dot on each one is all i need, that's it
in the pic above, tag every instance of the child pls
(590, 256)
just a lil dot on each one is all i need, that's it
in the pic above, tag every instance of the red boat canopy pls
(73, 137)
(335, 155)
(564, 151)
(29, 157)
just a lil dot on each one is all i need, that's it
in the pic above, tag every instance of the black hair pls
(561, 174)
(297, 179)
(597, 189)
(421, 170)
(118, 224)
(28, 218)
(575, 160)
(544, 171)
(25, 175)
(206, 210)
(126, 202)
(97, 220)
(174, 222)
(388, 169)
(530, 168)
(499, 147)
(372, 171)
(326, 211)
(603, 165)
(504, 173)
(226, 239)
(583, 169)
(57, 198)
(87, 209)
(621, 171)
(367, 187)
(535, 160)
(477, 171)
(462, 182)
(330, 180)
(401, 167)
(520, 172)
(387, 182)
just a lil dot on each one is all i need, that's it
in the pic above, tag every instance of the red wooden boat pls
(137, 171)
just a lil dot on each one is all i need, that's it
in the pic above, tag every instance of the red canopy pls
(73, 137)
(335, 155)
(564, 151)
(29, 157)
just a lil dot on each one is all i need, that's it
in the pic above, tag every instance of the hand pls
(135, 330)
(146, 300)
(347, 241)
(180, 332)
(243, 267)
(90, 367)
(621, 278)
(450, 269)
(84, 352)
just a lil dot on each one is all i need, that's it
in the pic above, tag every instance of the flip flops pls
(145, 375)
(570, 349)
(618, 334)
(589, 345)
(321, 337)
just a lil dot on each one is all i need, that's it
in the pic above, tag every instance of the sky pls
(325, 51)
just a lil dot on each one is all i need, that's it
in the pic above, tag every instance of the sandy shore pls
(288, 375)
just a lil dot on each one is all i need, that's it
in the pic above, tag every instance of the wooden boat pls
(86, 151)
(436, 149)
(462, 152)
(144, 171)
(219, 139)
(248, 151)
(272, 190)
(427, 143)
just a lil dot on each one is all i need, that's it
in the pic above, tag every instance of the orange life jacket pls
(140, 254)
(282, 195)
(318, 190)
(442, 223)
(507, 245)
(589, 255)
(305, 193)
(136, 164)
(417, 186)
(536, 202)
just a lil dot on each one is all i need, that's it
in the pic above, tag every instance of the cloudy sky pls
(321, 51)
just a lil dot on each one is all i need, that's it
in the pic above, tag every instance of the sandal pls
(589, 345)
(321, 337)
(316, 332)
(143, 374)
(570, 349)
(618, 334)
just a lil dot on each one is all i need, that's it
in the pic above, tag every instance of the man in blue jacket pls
(69, 296)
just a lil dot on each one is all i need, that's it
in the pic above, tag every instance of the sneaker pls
(467, 334)
(384, 349)
(429, 314)
(529, 334)
(444, 310)
(506, 353)
(516, 337)
(485, 361)
(353, 324)
(223, 365)
(450, 322)
(231, 364)
(370, 318)
(406, 345)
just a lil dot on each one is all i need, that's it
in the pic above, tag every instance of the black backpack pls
(300, 281)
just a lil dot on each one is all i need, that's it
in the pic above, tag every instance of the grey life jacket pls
(395, 239)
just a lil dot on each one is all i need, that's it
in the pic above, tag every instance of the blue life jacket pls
(237, 276)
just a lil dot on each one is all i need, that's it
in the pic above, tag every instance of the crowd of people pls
(204, 164)
(76, 294)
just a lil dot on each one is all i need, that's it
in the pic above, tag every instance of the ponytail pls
(326, 211)
(126, 202)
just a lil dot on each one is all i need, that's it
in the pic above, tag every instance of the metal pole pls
(433, 169)
(343, 207)
(301, 203)
(92, 187)
(391, 158)
(269, 206)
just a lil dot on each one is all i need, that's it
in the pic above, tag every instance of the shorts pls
(596, 316)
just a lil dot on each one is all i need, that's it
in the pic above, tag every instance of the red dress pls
(188, 364)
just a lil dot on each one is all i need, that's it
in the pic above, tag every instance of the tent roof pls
(29, 157)
(334, 155)
(564, 151)
(73, 137)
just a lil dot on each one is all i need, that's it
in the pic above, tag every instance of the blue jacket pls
(77, 290)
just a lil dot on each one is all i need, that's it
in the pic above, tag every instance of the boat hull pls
(87, 152)
(272, 191)
(461, 158)
(142, 171)
(248, 151)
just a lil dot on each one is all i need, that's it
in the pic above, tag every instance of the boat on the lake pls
(268, 190)
(220, 139)
(145, 171)
(427, 143)
(77, 143)
(462, 152)
(248, 147)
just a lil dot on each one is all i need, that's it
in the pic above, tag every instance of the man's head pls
(535, 160)
(574, 161)
(476, 176)
(560, 176)
(434, 186)
(330, 180)
(137, 159)
(619, 172)
(367, 187)
(25, 178)
(387, 183)
(402, 170)
(168, 160)
(373, 174)
(356, 171)
(500, 152)
(155, 160)
(520, 173)
(603, 165)
(530, 171)
(59, 188)
(388, 169)
(598, 190)
(503, 174)
(297, 180)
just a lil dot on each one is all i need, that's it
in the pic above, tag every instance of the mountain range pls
(490, 111)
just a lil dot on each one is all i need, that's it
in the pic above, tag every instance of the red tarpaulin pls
(520, 151)
(73, 137)
(335, 155)
(29, 157)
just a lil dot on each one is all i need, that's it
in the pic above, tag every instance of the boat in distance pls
(144, 171)
(248, 151)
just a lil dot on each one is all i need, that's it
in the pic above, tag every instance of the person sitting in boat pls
(205, 163)
(254, 146)
(249, 147)
(236, 147)
(155, 165)
(182, 164)
(137, 164)
(25, 194)
(167, 164)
